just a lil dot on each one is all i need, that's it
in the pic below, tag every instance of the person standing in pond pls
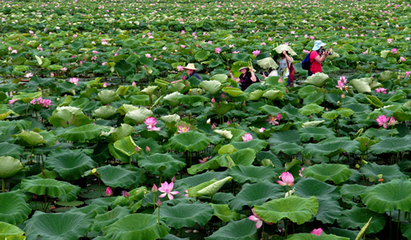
(191, 71)
(317, 56)
(246, 78)
(285, 64)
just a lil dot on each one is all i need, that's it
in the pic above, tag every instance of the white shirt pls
(283, 66)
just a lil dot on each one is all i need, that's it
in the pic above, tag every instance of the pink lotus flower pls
(74, 80)
(273, 119)
(204, 159)
(137, 149)
(148, 55)
(180, 68)
(183, 129)
(407, 74)
(133, 84)
(256, 52)
(150, 121)
(382, 120)
(217, 50)
(341, 85)
(108, 191)
(14, 51)
(213, 126)
(154, 189)
(261, 130)
(392, 122)
(126, 194)
(247, 137)
(402, 59)
(166, 190)
(105, 84)
(280, 80)
(148, 149)
(12, 101)
(317, 231)
(46, 103)
(213, 100)
(300, 172)
(287, 179)
(258, 221)
(51, 74)
(389, 40)
(381, 90)
(28, 75)
(407, 38)
(183, 46)
(394, 51)
(63, 69)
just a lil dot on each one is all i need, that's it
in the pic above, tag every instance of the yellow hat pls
(191, 66)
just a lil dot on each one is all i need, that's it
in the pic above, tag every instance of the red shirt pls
(315, 66)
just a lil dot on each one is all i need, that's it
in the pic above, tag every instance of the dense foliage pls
(96, 143)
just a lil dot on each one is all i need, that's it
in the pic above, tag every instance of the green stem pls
(3, 185)
(130, 163)
(45, 203)
(158, 220)
(99, 186)
(286, 227)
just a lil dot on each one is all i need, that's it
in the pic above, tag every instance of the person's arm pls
(253, 77)
(289, 59)
(322, 58)
(235, 79)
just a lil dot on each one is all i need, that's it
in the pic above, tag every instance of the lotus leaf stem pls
(3, 184)
(398, 223)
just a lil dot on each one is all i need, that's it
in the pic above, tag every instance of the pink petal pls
(253, 218)
(174, 192)
(170, 196)
(281, 183)
(162, 195)
(259, 224)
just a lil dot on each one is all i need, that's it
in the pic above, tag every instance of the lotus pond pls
(96, 143)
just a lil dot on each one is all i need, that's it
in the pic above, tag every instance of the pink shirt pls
(315, 66)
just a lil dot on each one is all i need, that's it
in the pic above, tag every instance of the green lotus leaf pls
(373, 100)
(9, 166)
(273, 81)
(287, 148)
(121, 132)
(306, 91)
(49, 187)
(191, 99)
(361, 86)
(222, 108)
(331, 147)
(233, 92)
(141, 100)
(8, 149)
(65, 116)
(161, 164)
(243, 157)
(388, 172)
(9, 231)
(316, 133)
(298, 210)
(202, 55)
(356, 217)
(310, 109)
(68, 164)
(91, 210)
(329, 210)
(405, 229)
(137, 116)
(309, 236)
(105, 112)
(365, 143)
(389, 196)
(13, 208)
(201, 178)
(352, 190)
(219, 77)
(341, 112)
(69, 204)
(191, 141)
(255, 95)
(256, 194)
(170, 99)
(179, 87)
(207, 188)
(255, 144)
(82, 133)
(31, 138)
(239, 230)
(391, 145)
(267, 63)
(308, 187)
(71, 195)
(251, 173)
(26, 97)
(318, 79)
(212, 86)
(387, 75)
(170, 118)
(223, 212)
(290, 136)
(107, 96)
(117, 176)
(126, 146)
(337, 173)
(316, 98)
(125, 108)
(312, 123)
(273, 94)
(186, 214)
(137, 226)
(104, 219)
(124, 68)
(50, 226)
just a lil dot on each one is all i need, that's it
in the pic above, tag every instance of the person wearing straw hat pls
(317, 56)
(190, 70)
(246, 78)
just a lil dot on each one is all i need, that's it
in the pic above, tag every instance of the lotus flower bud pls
(108, 191)
(126, 194)
(158, 203)
(148, 149)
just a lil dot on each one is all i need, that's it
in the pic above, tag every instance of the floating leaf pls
(239, 230)
(189, 141)
(13, 208)
(337, 173)
(357, 217)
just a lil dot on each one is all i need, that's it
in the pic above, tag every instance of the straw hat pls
(191, 66)
(241, 68)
